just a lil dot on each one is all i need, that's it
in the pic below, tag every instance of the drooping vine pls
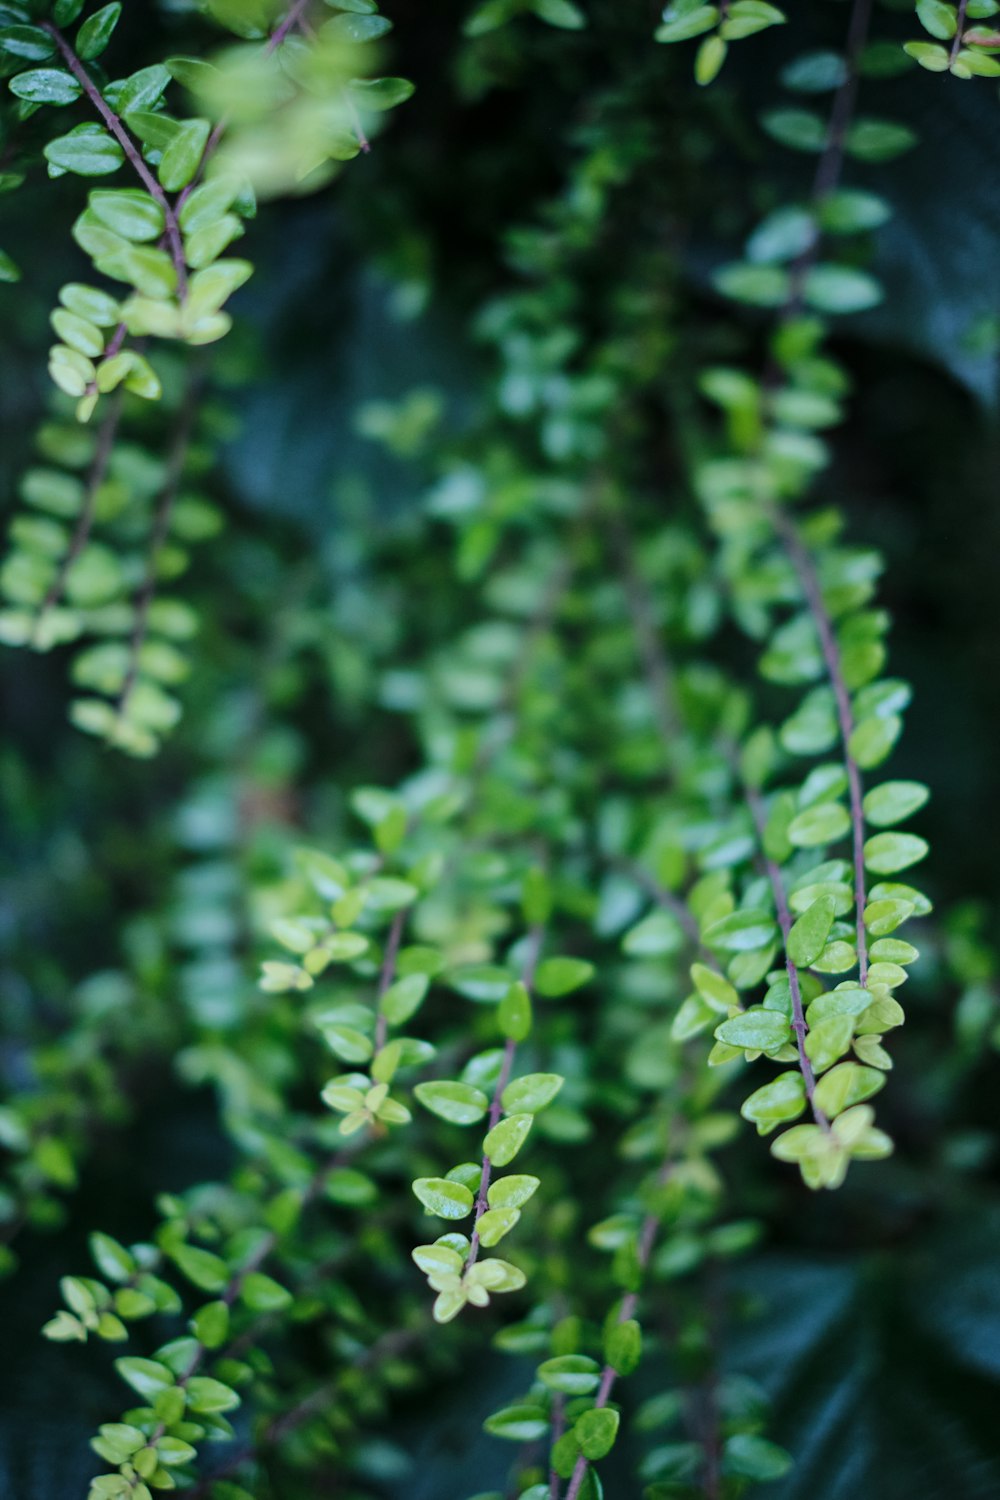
(609, 865)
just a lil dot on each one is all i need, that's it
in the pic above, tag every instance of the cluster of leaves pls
(622, 871)
(280, 117)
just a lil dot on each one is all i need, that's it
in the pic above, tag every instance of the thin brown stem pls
(294, 16)
(161, 530)
(111, 348)
(799, 1026)
(535, 938)
(98, 470)
(956, 46)
(655, 660)
(809, 581)
(388, 973)
(644, 1252)
(831, 161)
(132, 152)
(211, 146)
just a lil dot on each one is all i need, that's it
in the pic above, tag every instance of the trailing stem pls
(98, 470)
(785, 923)
(629, 1303)
(161, 529)
(809, 581)
(132, 153)
(535, 937)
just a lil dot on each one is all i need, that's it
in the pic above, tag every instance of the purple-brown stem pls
(293, 17)
(161, 529)
(132, 153)
(956, 45)
(85, 520)
(111, 348)
(558, 1428)
(785, 923)
(831, 161)
(656, 664)
(809, 582)
(535, 937)
(644, 1251)
(388, 972)
(211, 146)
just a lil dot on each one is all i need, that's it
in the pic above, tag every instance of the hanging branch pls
(98, 470)
(161, 529)
(785, 923)
(534, 948)
(132, 153)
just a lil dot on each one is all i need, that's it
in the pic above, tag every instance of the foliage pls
(499, 854)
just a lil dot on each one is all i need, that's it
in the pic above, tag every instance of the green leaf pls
(840, 289)
(879, 140)
(894, 801)
(357, 28)
(798, 128)
(459, 1103)
(146, 1376)
(759, 285)
(809, 934)
(888, 853)
(263, 1294)
(563, 13)
(112, 1260)
(847, 1084)
(512, 1192)
(210, 1324)
(141, 90)
(530, 1093)
(783, 1099)
(658, 933)
(709, 59)
(850, 211)
(873, 739)
(495, 1223)
(560, 976)
(514, 1013)
(742, 931)
(681, 27)
(207, 1271)
(823, 824)
(403, 998)
(828, 1040)
(182, 156)
(207, 1395)
(596, 1431)
(930, 55)
(748, 1456)
(485, 983)
(504, 1141)
(571, 1374)
(381, 93)
(95, 33)
(129, 212)
(46, 86)
(88, 151)
(623, 1347)
(814, 72)
(937, 18)
(447, 1200)
(27, 42)
(757, 1030)
(784, 235)
(518, 1424)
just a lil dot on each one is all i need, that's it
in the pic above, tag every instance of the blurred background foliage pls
(872, 1318)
